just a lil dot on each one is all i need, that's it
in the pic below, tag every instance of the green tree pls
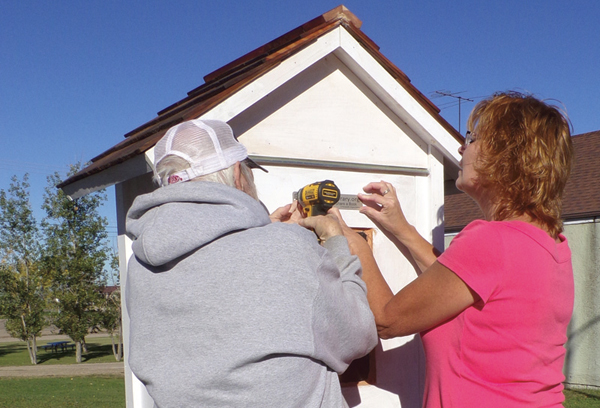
(110, 311)
(74, 256)
(110, 320)
(22, 291)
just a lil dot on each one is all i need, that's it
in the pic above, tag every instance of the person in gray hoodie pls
(228, 308)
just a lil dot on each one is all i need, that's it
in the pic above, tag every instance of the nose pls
(461, 149)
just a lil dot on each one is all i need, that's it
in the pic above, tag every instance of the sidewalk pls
(63, 370)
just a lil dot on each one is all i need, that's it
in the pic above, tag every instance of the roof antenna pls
(454, 95)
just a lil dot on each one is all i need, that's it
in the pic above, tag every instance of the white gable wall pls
(332, 117)
(326, 113)
(395, 96)
(367, 70)
(332, 104)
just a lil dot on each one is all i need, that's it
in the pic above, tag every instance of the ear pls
(237, 176)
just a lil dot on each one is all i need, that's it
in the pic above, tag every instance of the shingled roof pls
(225, 81)
(582, 193)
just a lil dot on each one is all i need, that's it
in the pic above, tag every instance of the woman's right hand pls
(383, 208)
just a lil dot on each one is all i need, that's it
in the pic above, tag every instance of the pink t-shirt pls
(508, 349)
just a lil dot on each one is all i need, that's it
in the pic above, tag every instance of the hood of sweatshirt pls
(176, 220)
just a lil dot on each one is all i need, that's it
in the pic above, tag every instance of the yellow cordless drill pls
(318, 197)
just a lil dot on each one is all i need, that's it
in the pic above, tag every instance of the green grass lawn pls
(103, 391)
(582, 399)
(109, 392)
(60, 392)
(15, 354)
(65, 392)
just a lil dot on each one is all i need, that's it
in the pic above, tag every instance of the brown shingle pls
(582, 193)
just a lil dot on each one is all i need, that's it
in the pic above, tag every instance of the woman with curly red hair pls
(493, 309)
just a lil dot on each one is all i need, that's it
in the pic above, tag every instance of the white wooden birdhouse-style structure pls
(320, 102)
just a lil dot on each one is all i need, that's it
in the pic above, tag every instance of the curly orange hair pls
(525, 156)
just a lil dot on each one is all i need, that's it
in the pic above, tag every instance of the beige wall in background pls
(582, 366)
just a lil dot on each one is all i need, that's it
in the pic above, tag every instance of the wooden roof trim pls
(580, 215)
(211, 87)
(142, 141)
(255, 58)
(340, 13)
(280, 54)
(211, 91)
(216, 91)
(217, 86)
(222, 83)
(403, 79)
(113, 159)
(260, 53)
(224, 86)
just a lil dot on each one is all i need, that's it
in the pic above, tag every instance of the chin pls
(459, 184)
(466, 187)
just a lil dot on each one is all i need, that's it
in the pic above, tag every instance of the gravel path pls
(63, 370)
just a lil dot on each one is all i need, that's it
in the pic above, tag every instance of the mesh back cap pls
(206, 145)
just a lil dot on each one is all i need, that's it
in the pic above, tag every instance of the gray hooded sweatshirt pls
(230, 310)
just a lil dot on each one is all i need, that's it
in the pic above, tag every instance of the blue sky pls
(76, 76)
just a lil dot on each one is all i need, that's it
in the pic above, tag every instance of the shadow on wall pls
(573, 345)
(400, 371)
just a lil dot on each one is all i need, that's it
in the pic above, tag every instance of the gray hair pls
(173, 164)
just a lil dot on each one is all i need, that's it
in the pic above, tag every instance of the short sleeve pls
(477, 256)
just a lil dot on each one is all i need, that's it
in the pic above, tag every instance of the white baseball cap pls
(207, 145)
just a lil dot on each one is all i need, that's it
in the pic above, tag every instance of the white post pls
(136, 395)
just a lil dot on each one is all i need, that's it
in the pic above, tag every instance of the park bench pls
(54, 346)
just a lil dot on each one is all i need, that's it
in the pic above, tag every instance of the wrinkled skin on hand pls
(289, 213)
(384, 209)
(325, 226)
